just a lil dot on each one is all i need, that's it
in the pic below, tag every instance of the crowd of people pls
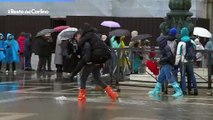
(88, 51)
(13, 51)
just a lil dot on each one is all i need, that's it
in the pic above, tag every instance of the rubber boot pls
(82, 95)
(178, 91)
(113, 95)
(156, 90)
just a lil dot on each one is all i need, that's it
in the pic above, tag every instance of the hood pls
(86, 28)
(2, 35)
(8, 35)
(173, 32)
(184, 32)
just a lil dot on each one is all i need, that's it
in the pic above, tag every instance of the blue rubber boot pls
(156, 90)
(178, 91)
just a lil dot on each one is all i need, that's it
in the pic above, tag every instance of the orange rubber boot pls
(82, 95)
(113, 95)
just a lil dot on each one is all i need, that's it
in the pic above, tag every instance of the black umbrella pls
(44, 32)
(67, 34)
(142, 37)
(119, 32)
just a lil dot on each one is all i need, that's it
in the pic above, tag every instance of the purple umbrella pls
(110, 24)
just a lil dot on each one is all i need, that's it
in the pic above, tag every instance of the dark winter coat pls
(43, 48)
(86, 54)
(167, 56)
(71, 61)
(28, 47)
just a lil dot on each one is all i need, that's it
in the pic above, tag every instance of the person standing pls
(12, 53)
(186, 55)
(43, 51)
(209, 46)
(2, 50)
(199, 55)
(73, 51)
(21, 42)
(28, 52)
(166, 61)
(49, 57)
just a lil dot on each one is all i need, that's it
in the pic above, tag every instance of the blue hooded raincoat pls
(12, 49)
(2, 48)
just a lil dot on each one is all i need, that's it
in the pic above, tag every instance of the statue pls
(178, 17)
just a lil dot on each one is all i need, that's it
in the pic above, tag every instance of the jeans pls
(188, 69)
(95, 69)
(166, 73)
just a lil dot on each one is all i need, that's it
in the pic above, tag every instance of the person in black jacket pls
(43, 50)
(72, 58)
(87, 44)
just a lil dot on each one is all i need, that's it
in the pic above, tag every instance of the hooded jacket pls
(2, 43)
(12, 49)
(167, 56)
(2, 48)
(181, 48)
(209, 46)
(89, 34)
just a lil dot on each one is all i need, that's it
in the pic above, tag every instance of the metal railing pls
(123, 59)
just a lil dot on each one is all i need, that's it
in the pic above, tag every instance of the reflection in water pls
(10, 86)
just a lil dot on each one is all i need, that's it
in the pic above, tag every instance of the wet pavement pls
(46, 96)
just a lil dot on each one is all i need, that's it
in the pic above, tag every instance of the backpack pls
(190, 51)
(100, 52)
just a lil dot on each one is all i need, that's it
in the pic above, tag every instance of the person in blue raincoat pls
(2, 50)
(12, 53)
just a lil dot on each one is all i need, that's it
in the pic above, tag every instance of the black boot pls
(195, 92)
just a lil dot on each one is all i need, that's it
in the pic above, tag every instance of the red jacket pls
(21, 42)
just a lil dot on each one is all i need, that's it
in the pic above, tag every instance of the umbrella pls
(60, 28)
(202, 32)
(44, 32)
(142, 37)
(67, 33)
(119, 32)
(110, 24)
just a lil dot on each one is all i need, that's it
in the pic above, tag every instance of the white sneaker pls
(14, 72)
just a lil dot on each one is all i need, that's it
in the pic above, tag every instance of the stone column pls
(210, 14)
